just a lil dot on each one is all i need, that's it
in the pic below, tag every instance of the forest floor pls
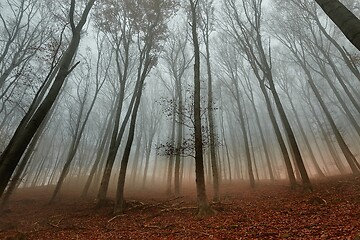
(270, 211)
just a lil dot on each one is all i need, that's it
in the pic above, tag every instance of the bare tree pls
(28, 126)
(207, 27)
(177, 61)
(203, 205)
(153, 31)
(81, 119)
(296, 46)
(248, 37)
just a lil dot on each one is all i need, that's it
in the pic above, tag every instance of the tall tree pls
(203, 205)
(150, 33)
(177, 60)
(113, 20)
(249, 41)
(28, 126)
(296, 46)
(81, 121)
(207, 28)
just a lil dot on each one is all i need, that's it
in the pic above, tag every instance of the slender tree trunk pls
(316, 143)
(178, 158)
(225, 146)
(170, 166)
(114, 145)
(311, 153)
(291, 137)
(332, 151)
(347, 153)
(119, 200)
(147, 156)
(245, 137)
(136, 158)
(343, 105)
(264, 144)
(203, 205)
(210, 107)
(279, 137)
(99, 154)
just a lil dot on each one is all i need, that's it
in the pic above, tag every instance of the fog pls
(279, 96)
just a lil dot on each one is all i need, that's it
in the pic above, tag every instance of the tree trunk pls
(291, 137)
(170, 166)
(264, 144)
(348, 23)
(203, 205)
(245, 134)
(119, 200)
(279, 137)
(302, 131)
(147, 156)
(332, 151)
(21, 139)
(100, 152)
(347, 153)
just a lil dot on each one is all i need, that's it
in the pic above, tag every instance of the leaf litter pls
(270, 211)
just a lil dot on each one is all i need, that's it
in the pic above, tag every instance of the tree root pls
(205, 211)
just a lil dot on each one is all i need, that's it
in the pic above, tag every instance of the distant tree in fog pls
(297, 45)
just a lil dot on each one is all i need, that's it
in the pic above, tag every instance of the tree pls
(231, 66)
(81, 120)
(249, 42)
(113, 20)
(297, 47)
(207, 28)
(150, 33)
(203, 205)
(29, 124)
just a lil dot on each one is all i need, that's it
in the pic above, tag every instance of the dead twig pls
(178, 209)
(57, 225)
(115, 217)
(151, 226)
(160, 204)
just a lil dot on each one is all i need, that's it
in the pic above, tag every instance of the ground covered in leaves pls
(271, 211)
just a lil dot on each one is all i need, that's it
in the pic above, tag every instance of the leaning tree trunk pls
(290, 134)
(279, 137)
(245, 134)
(345, 149)
(302, 131)
(11, 156)
(348, 23)
(119, 201)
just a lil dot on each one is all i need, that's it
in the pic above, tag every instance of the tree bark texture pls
(348, 23)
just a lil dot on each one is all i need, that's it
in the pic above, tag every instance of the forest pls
(179, 119)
